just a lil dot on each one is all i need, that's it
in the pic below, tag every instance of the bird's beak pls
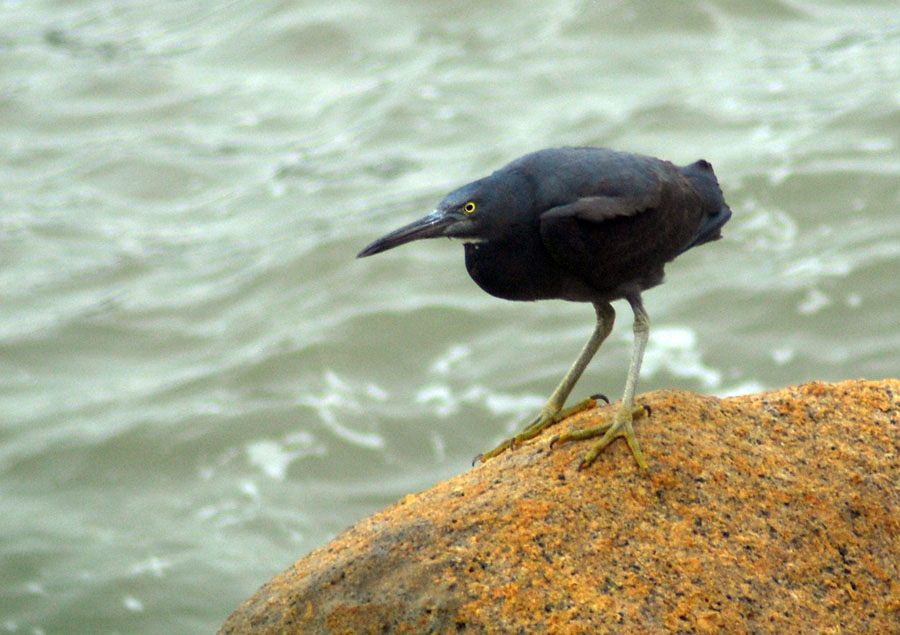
(434, 225)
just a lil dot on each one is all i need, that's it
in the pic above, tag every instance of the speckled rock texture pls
(777, 512)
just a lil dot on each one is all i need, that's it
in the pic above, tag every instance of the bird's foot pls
(547, 418)
(620, 426)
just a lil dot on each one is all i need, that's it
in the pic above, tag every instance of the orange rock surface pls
(777, 512)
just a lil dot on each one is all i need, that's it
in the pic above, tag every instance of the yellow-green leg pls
(553, 412)
(620, 426)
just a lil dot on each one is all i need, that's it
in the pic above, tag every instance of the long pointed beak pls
(432, 226)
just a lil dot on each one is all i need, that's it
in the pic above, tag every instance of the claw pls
(540, 423)
(620, 426)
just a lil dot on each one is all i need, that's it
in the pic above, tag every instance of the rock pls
(776, 512)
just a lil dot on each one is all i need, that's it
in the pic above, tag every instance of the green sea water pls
(199, 383)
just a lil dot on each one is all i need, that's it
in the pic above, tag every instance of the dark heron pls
(579, 224)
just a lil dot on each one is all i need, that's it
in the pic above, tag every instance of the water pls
(198, 381)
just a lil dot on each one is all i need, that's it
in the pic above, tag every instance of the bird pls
(582, 224)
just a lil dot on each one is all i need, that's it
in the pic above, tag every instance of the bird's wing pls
(597, 209)
(611, 241)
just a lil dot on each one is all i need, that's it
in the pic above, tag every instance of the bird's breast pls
(515, 271)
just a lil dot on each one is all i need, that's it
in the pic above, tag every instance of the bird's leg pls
(553, 412)
(620, 426)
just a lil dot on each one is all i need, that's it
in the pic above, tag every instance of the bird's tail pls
(702, 177)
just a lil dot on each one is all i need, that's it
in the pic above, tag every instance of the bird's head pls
(464, 213)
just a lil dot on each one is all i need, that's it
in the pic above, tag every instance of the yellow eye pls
(469, 208)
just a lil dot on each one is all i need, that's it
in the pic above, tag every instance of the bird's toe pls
(619, 426)
(548, 417)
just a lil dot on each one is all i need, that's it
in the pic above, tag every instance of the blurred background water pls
(198, 381)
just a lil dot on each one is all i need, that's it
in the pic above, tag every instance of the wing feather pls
(625, 233)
